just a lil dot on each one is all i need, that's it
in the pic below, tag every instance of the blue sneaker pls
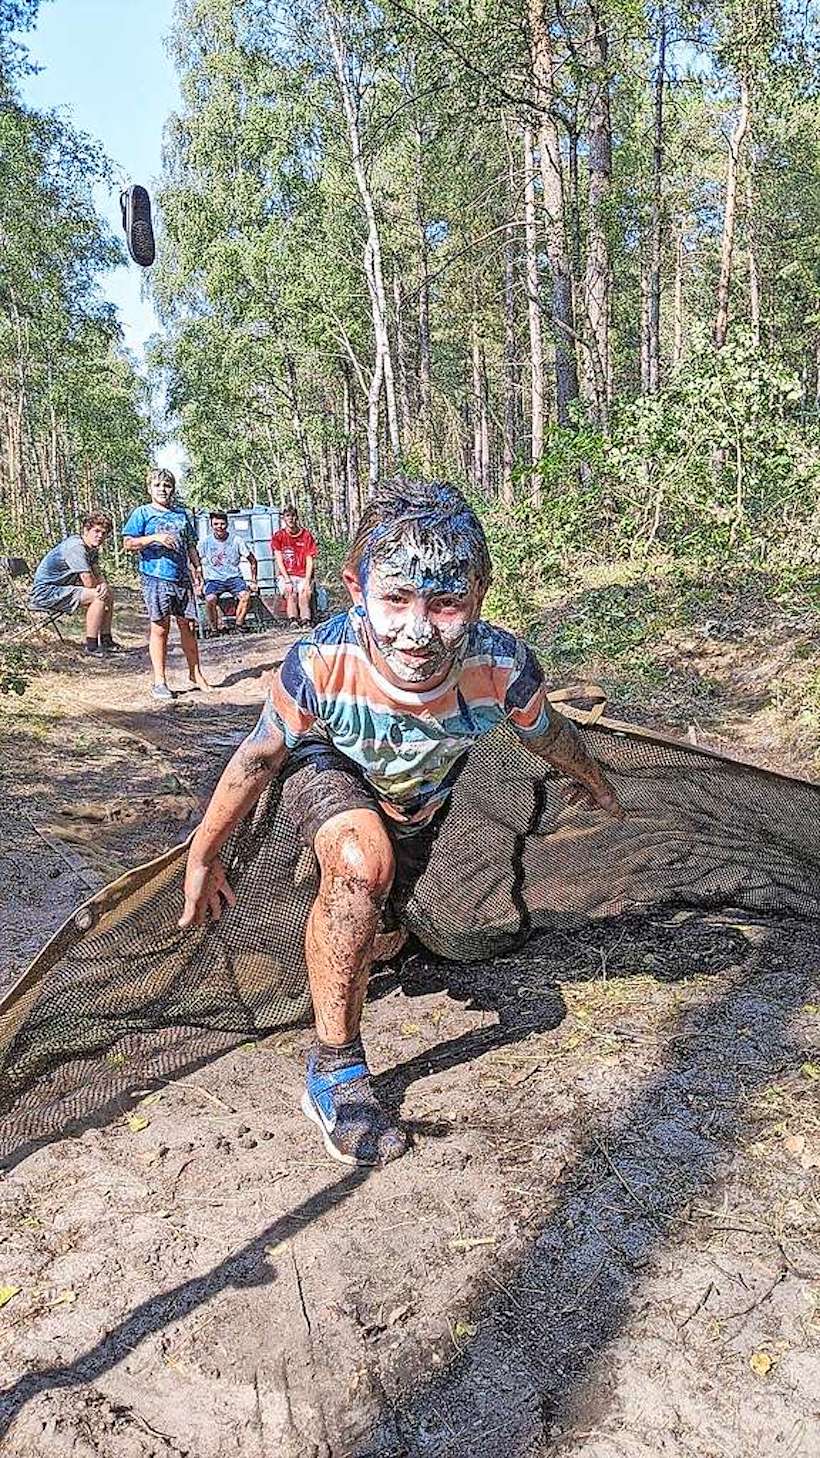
(354, 1126)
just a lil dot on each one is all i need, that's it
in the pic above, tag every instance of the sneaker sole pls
(310, 1113)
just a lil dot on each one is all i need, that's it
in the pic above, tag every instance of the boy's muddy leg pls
(356, 861)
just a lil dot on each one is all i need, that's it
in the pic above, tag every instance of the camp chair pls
(15, 576)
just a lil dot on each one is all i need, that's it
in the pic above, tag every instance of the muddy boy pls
(368, 723)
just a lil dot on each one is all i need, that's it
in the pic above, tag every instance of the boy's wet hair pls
(436, 510)
(161, 477)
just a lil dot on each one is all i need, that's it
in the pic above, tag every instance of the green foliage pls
(721, 466)
(16, 667)
(75, 415)
(721, 462)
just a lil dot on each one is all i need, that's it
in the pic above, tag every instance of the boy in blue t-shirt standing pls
(170, 569)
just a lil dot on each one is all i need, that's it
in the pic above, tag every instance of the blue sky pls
(104, 65)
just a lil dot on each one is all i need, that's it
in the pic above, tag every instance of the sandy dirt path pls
(605, 1244)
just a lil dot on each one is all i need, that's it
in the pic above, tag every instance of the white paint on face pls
(418, 632)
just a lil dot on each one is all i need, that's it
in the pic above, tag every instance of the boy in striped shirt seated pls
(368, 722)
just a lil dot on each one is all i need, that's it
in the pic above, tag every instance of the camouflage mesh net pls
(120, 995)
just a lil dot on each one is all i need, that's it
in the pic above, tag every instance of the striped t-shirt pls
(408, 744)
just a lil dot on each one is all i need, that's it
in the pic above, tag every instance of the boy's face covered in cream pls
(419, 604)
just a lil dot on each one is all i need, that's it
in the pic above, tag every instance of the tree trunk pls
(425, 347)
(374, 272)
(480, 413)
(599, 267)
(373, 440)
(656, 230)
(402, 367)
(299, 432)
(353, 493)
(562, 323)
(729, 214)
(677, 320)
(534, 312)
(512, 382)
(754, 275)
(644, 320)
(574, 203)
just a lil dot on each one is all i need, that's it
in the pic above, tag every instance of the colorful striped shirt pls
(408, 744)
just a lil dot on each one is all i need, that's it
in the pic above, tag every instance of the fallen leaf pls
(464, 1329)
(761, 1364)
(115, 1060)
(136, 1122)
(65, 1298)
(810, 1070)
(409, 1029)
(153, 1098)
(6, 1293)
(811, 1007)
(794, 1143)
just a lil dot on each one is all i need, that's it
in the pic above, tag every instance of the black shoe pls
(135, 205)
(91, 647)
(107, 645)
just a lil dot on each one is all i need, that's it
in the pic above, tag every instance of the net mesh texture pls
(121, 994)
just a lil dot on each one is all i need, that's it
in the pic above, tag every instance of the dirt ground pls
(604, 1245)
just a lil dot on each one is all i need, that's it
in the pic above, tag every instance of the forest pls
(564, 252)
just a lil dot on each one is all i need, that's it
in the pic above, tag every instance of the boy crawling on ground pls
(368, 723)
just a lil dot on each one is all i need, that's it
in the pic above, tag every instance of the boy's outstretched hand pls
(206, 889)
(600, 796)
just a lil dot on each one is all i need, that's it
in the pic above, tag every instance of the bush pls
(721, 467)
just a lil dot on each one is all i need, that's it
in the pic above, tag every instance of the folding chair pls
(15, 575)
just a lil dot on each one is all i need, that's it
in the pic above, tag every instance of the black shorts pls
(318, 783)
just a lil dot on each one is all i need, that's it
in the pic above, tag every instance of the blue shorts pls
(233, 585)
(165, 599)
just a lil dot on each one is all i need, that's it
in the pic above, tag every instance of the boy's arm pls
(196, 563)
(247, 773)
(94, 580)
(562, 748)
(156, 539)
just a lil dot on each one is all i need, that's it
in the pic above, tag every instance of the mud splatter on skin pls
(418, 633)
(418, 575)
(342, 929)
(419, 603)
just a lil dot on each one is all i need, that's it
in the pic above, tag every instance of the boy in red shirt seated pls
(294, 551)
(368, 723)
